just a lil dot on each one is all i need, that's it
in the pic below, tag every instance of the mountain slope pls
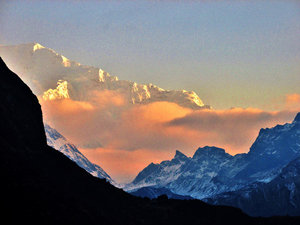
(274, 148)
(42, 186)
(151, 192)
(281, 196)
(212, 171)
(53, 76)
(60, 143)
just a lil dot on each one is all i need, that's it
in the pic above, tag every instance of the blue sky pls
(232, 53)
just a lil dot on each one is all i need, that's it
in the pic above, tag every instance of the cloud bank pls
(124, 139)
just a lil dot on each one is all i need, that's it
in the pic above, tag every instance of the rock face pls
(53, 76)
(40, 185)
(281, 196)
(273, 149)
(212, 171)
(20, 112)
(60, 143)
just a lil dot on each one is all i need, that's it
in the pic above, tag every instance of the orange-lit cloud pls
(293, 101)
(124, 165)
(106, 98)
(124, 138)
(233, 129)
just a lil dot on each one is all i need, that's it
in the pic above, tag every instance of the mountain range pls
(53, 76)
(40, 185)
(263, 182)
(281, 196)
(212, 173)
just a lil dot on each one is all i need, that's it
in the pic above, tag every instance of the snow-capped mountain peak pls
(37, 46)
(35, 62)
(297, 118)
(60, 92)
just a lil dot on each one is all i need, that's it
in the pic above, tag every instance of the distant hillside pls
(152, 192)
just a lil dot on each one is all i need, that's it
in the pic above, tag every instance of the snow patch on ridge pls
(60, 92)
(37, 46)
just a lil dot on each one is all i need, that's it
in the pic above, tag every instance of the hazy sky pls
(232, 53)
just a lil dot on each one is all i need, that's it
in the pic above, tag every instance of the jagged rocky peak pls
(297, 118)
(179, 155)
(276, 137)
(32, 49)
(32, 46)
(42, 68)
(37, 46)
(60, 92)
(54, 134)
(106, 77)
(210, 151)
(26, 48)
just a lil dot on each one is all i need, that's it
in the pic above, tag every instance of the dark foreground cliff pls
(42, 186)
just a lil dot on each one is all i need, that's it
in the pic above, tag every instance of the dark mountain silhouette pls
(152, 192)
(42, 186)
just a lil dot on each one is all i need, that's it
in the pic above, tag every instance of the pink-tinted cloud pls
(124, 165)
(293, 101)
(84, 122)
(233, 129)
(125, 138)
